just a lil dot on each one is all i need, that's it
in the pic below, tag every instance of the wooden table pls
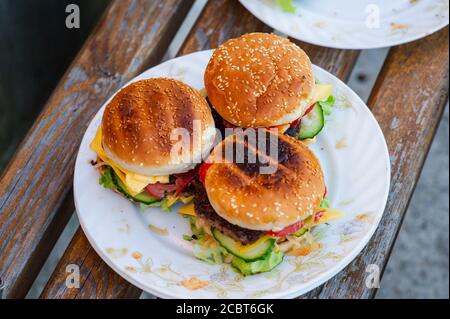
(36, 198)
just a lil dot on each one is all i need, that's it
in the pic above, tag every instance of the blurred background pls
(37, 49)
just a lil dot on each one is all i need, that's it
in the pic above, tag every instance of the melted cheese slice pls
(134, 182)
(188, 210)
(321, 92)
(329, 214)
(245, 248)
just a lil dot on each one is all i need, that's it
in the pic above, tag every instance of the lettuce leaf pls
(325, 203)
(106, 179)
(254, 267)
(212, 255)
(327, 104)
(287, 5)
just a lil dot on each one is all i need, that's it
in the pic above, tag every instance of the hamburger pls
(251, 220)
(134, 142)
(264, 80)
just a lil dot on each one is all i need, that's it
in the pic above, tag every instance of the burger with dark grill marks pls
(134, 143)
(252, 220)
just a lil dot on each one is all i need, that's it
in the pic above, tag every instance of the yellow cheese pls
(329, 214)
(246, 248)
(135, 183)
(186, 199)
(188, 210)
(322, 92)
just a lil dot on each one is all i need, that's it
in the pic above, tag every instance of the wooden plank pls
(95, 275)
(131, 35)
(338, 62)
(407, 100)
(219, 21)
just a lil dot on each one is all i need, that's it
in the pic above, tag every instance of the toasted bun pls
(243, 196)
(259, 80)
(138, 122)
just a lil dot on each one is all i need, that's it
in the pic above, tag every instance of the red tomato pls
(202, 171)
(183, 180)
(297, 121)
(286, 231)
(158, 190)
(318, 216)
(309, 109)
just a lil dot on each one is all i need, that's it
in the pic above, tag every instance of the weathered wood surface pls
(407, 100)
(219, 21)
(97, 280)
(131, 35)
(338, 62)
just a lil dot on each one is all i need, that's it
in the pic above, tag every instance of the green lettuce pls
(287, 5)
(155, 204)
(106, 179)
(327, 104)
(325, 203)
(254, 267)
(210, 255)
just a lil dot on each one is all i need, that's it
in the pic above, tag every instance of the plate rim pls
(343, 47)
(291, 293)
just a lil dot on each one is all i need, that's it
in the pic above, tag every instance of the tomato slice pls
(158, 190)
(286, 231)
(297, 121)
(309, 109)
(318, 216)
(202, 171)
(183, 180)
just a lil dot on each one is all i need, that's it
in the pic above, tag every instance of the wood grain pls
(338, 62)
(407, 100)
(95, 275)
(131, 35)
(219, 21)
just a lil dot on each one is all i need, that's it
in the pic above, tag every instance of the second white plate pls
(354, 24)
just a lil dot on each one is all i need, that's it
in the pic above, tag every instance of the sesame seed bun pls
(138, 123)
(243, 196)
(259, 80)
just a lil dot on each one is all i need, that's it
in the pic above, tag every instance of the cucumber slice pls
(258, 266)
(312, 124)
(143, 198)
(301, 231)
(257, 251)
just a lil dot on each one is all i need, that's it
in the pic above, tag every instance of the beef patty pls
(204, 210)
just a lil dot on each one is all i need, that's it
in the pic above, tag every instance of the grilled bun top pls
(140, 120)
(259, 80)
(243, 196)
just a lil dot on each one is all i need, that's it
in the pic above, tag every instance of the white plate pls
(350, 24)
(355, 159)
